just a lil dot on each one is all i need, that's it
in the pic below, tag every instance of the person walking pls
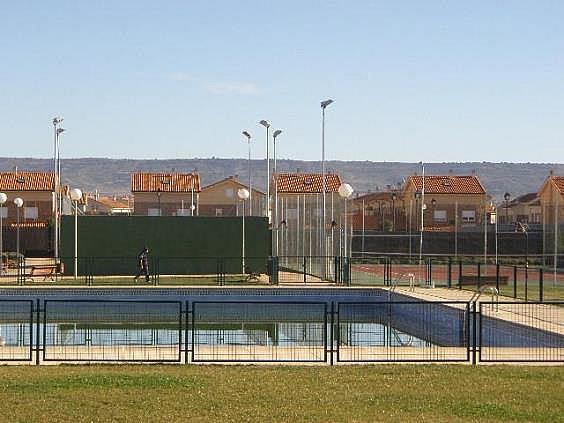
(143, 261)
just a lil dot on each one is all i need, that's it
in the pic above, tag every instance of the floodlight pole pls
(248, 135)
(324, 105)
(276, 219)
(422, 220)
(56, 122)
(75, 239)
(266, 124)
(3, 199)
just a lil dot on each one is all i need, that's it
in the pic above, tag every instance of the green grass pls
(439, 393)
(128, 281)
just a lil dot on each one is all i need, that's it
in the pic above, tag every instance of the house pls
(524, 209)
(108, 205)
(379, 211)
(551, 196)
(36, 189)
(221, 199)
(450, 202)
(165, 194)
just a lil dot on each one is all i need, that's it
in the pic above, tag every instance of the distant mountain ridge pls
(112, 175)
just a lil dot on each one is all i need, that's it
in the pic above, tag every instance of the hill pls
(112, 175)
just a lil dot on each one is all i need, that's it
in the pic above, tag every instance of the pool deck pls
(542, 316)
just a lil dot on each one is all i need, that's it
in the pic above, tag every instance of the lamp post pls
(266, 124)
(394, 196)
(523, 227)
(248, 135)
(345, 191)
(3, 199)
(159, 200)
(274, 135)
(19, 203)
(324, 105)
(243, 194)
(506, 197)
(57, 130)
(75, 195)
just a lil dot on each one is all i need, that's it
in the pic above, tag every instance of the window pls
(183, 212)
(153, 212)
(440, 215)
(219, 212)
(4, 212)
(229, 192)
(31, 212)
(468, 216)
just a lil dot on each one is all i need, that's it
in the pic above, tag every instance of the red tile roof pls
(298, 183)
(231, 179)
(111, 203)
(558, 182)
(376, 196)
(448, 184)
(165, 182)
(27, 181)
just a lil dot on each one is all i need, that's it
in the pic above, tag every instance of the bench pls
(48, 271)
(250, 275)
(484, 280)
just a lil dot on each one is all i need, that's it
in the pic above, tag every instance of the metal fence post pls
(459, 274)
(337, 270)
(332, 325)
(305, 268)
(479, 276)
(514, 281)
(38, 331)
(541, 284)
(449, 272)
(497, 277)
(526, 280)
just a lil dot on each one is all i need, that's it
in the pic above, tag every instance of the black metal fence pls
(319, 332)
(529, 283)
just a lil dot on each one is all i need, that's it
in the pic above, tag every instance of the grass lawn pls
(437, 393)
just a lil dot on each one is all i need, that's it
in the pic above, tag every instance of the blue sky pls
(433, 81)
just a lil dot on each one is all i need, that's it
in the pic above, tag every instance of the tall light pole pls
(324, 105)
(267, 126)
(248, 135)
(56, 127)
(243, 195)
(19, 203)
(423, 207)
(3, 199)
(75, 195)
(274, 135)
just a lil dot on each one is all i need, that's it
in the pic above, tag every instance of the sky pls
(412, 81)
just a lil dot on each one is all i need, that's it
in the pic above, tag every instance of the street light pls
(243, 194)
(506, 197)
(324, 105)
(345, 191)
(246, 134)
(3, 199)
(267, 126)
(394, 196)
(274, 135)
(56, 132)
(60, 204)
(75, 195)
(523, 227)
(19, 203)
